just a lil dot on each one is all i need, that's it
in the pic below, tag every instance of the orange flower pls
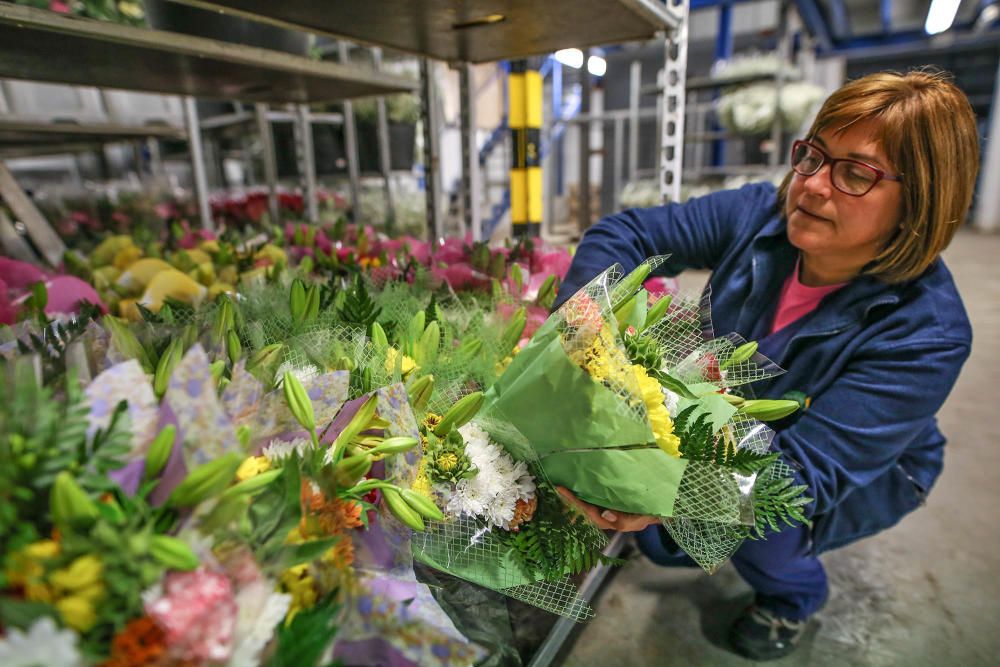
(323, 517)
(141, 642)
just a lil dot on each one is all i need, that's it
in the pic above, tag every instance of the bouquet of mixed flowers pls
(632, 404)
(187, 513)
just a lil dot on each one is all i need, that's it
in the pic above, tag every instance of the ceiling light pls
(940, 16)
(570, 57)
(597, 65)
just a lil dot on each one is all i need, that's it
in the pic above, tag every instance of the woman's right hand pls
(606, 519)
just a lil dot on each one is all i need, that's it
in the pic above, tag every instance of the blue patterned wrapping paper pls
(191, 396)
(124, 382)
(328, 393)
(392, 615)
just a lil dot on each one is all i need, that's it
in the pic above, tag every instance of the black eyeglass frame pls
(832, 161)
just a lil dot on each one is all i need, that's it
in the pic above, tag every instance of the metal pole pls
(585, 90)
(988, 210)
(672, 107)
(197, 163)
(155, 159)
(784, 53)
(432, 139)
(350, 143)
(384, 155)
(619, 159)
(307, 159)
(471, 190)
(634, 86)
(270, 161)
(723, 52)
(555, 156)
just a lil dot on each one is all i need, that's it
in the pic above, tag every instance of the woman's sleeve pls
(695, 234)
(856, 430)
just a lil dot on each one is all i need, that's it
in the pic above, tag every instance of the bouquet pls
(635, 406)
(189, 514)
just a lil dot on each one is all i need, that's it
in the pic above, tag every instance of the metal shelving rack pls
(433, 29)
(484, 32)
(44, 46)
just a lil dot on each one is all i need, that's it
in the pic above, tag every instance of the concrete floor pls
(926, 592)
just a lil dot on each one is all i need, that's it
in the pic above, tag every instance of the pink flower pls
(166, 210)
(59, 6)
(20, 275)
(324, 243)
(407, 246)
(450, 250)
(556, 262)
(460, 276)
(198, 615)
(380, 275)
(536, 316)
(66, 293)
(660, 286)
(8, 312)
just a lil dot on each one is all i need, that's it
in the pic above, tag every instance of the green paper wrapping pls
(542, 387)
(640, 481)
(498, 574)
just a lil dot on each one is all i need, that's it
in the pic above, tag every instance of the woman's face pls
(832, 227)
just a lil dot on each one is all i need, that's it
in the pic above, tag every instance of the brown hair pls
(927, 129)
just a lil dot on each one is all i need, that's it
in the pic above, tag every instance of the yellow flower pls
(422, 483)
(447, 461)
(42, 549)
(298, 582)
(77, 612)
(595, 359)
(407, 365)
(84, 573)
(24, 567)
(132, 10)
(252, 467)
(76, 588)
(659, 416)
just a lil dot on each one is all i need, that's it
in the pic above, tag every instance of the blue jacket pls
(876, 360)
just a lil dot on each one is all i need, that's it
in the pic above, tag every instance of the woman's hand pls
(606, 519)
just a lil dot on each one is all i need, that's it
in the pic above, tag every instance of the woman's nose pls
(819, 183)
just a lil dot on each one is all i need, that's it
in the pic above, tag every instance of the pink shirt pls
(798, 300)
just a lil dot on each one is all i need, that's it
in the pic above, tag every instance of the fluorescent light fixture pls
(940, 16)
(570, 57)
(597, 65)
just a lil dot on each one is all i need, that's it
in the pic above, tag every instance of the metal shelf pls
(17, 135)
(474, 31)
(45, 46)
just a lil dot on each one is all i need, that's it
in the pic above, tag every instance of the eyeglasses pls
(849, 176)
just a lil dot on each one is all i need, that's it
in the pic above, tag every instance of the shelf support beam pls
(196, 149)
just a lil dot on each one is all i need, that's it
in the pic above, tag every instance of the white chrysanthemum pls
(279, 450)
(671, 401)
(473, 432)
(260, 610)
(468, 498)
(43, 644)
(493, 493)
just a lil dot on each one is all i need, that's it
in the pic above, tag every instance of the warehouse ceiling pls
(864, 18)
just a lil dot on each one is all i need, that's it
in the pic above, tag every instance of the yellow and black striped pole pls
(525, 119)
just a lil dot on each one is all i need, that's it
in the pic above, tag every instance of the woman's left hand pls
(607, 519)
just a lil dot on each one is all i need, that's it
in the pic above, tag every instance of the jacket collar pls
(773, 257)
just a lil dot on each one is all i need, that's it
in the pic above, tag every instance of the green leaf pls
(303, 642)
(308, 551)
(673, 384)
(22, 613)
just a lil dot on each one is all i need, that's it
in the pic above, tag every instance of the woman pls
(838, 275)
